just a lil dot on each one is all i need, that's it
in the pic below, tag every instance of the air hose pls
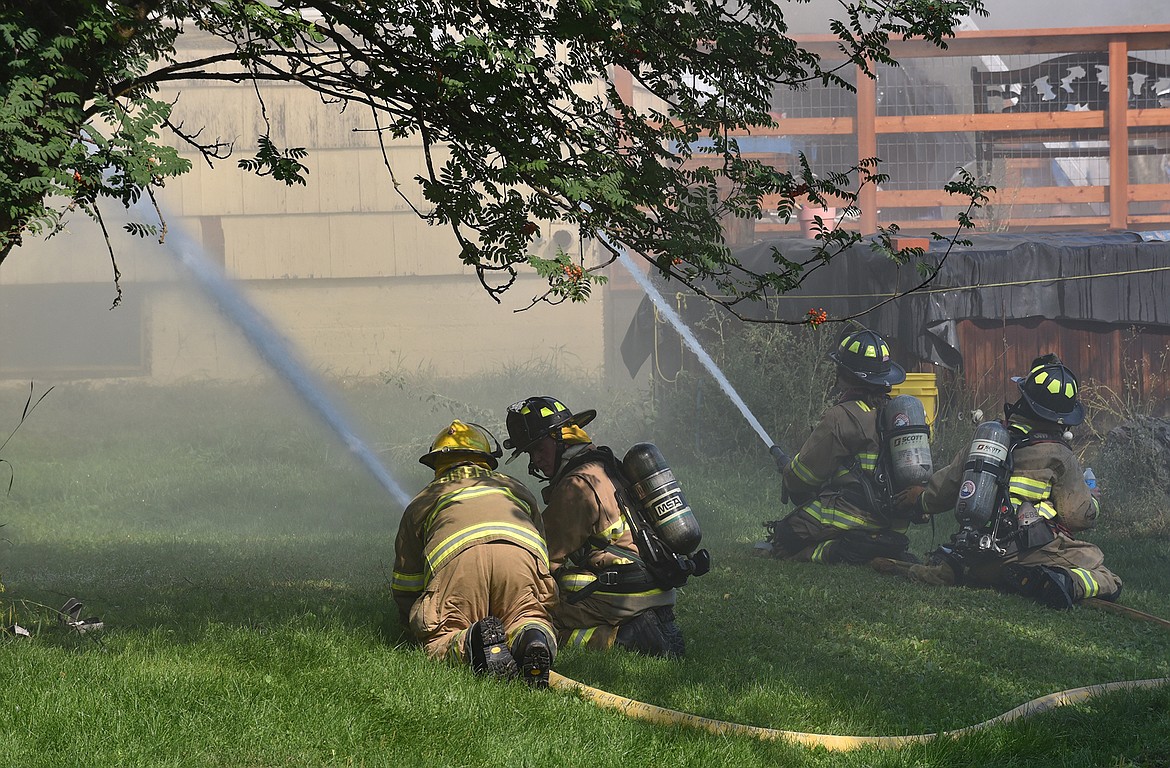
(652, 713)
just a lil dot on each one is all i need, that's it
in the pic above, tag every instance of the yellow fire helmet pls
(469, 441)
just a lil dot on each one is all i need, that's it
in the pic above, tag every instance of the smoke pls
(276, 351)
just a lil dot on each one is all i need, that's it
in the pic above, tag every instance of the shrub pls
(781, 373)
(1133, 468)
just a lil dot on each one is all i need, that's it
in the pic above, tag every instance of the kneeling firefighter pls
(866, 448)
(1020, 497)
(621, 536)
(471, 576)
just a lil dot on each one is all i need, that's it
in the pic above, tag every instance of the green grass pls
(240, 557)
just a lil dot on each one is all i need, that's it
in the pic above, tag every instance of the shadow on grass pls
(183, 588)
(850, 652)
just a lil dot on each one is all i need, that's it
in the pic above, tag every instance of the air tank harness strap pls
(633, 576)
(627, 578)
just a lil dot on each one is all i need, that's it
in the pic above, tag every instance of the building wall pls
(343, 265)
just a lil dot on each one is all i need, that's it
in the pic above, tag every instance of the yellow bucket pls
(924, 386)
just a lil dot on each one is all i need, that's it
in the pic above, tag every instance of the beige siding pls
(343, 267)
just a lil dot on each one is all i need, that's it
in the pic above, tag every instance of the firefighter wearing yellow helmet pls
(1025, 541)
(608, 597)
(839, 517)
(471, 576)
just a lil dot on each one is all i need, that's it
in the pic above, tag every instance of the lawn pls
(239, 557)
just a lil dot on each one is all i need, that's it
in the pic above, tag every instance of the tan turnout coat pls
(470, 545)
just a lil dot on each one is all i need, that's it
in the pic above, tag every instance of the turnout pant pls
(1083, 560)
(493, 579)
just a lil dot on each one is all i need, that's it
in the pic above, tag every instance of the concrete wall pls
(342, 266)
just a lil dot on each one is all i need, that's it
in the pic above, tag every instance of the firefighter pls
(608, 597)
(1048, 503)
(841, 513)
(471, 576)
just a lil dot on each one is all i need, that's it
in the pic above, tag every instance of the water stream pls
(277, 352)
(689, 339)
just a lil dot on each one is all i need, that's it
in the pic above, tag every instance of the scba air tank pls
(906, 442)
(659, 495)
(985, 469)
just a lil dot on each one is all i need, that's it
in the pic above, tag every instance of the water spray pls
(689, 339)
(276, 351)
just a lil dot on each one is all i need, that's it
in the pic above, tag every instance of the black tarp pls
(1120, 278)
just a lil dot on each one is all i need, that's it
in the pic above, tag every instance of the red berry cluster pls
(817, 316)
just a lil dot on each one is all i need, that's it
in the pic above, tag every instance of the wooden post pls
(1118, 134)
(867, 145)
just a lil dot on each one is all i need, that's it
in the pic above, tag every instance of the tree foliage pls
(514, 102)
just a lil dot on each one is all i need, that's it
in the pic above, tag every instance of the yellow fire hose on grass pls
(640, 710)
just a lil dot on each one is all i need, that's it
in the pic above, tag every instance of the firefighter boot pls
(671, 630)
(1049, 586)
(533, 654)
(487, 649)
(643, 634)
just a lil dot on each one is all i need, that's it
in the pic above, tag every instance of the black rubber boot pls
(643, 634)
(1049, 586)
(672, 631)
(533, 654)
(487, 649)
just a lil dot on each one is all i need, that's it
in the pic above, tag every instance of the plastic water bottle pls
(1090, 479)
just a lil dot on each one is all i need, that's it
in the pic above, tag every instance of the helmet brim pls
(432, 458)
(896, 375)
(1070, 419)
(579, 419)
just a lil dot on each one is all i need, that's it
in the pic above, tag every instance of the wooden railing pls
(1107, 204)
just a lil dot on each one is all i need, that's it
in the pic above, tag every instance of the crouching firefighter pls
(1020, 498)
(471, 576)
(620, 534)
(866, 448)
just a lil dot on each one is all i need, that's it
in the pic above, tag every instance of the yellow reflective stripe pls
(864, 406)
(579, 637)
(408, 582)
(473, 492)
(837, 518)
(1046, 510)
(574, 582)
(455, 543)
(818, 555)
(614, 532)
(868, 461)
(1027, 488)
(455, 649)
(803, 473)
(647, 593)
(1087, 581)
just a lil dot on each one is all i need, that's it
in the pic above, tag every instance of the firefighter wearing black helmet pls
(839, 516)
(607, 596)
(1030, 546)
(471, 576)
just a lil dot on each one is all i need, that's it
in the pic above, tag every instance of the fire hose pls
(640, 710)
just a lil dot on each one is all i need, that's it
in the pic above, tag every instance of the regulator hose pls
(640, 710)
